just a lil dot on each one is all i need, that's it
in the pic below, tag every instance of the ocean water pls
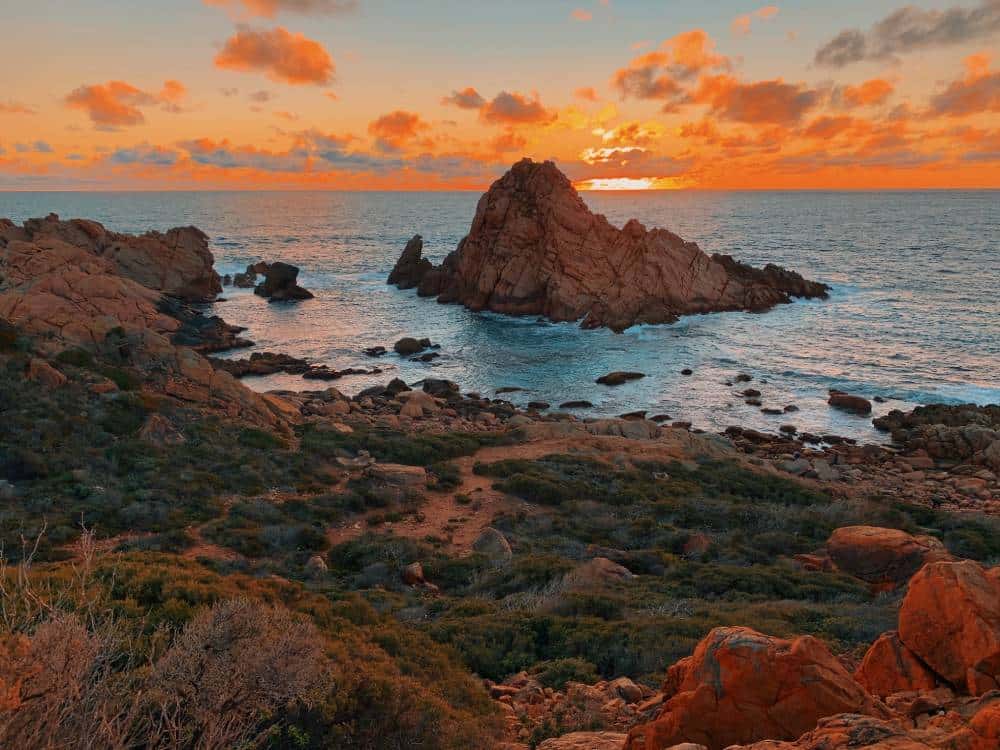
(914, 315)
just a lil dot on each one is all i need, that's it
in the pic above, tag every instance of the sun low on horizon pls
(621, 94)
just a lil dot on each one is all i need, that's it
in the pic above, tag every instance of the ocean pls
(914, 314)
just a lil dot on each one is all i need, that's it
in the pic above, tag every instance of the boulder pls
(890, 667)
(45, 374)
(950, 618)
(619, 378)
(280, 284)
(160, 431)
(884, 557)
(493, 545)
(411, 268)
(409, 345)
(597, 572)
(534, 248)
(399, 476)
(413, 575)
(852, 732)
(847, 402)
(741, 686)
(585, 741)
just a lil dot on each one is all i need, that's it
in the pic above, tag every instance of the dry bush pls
(233, 665)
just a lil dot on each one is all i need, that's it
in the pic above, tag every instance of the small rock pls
(849, 403)
(619, 378)
(45, 374)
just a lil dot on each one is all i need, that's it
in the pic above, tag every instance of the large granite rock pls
(950, 619)
(741, 686)
(177, 262)
(886, 558)
(536, 249)
(65, 295)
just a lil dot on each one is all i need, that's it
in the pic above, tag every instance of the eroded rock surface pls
(177, 262)
(950, 618)
(536, 249)
(741, 686)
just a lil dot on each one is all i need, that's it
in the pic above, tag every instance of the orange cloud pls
(828, 127)
(173, 92)
(511, 108)
(118, 104)
(741, 24)
(270, 8)
(773, 101)
(875, 91)
(587, 93)
(15, 108)
(394, 130)
(579, 14)
(978, 92)
(507, 142)
(280, 54)
(467, 98)
(657, 75)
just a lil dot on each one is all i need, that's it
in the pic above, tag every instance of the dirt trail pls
(443, 517)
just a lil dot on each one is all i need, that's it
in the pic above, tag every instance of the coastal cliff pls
(534, 248)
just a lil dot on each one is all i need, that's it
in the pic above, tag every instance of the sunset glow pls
(252, 94)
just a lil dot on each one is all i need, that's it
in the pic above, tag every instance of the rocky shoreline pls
(460, 501)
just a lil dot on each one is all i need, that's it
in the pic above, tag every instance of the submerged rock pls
(534, 248)
(619, 378)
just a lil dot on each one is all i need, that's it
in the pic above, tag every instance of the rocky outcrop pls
(411, 267)
(65, 293)
(948, 433)
(741, 686)
(890, 667)
(281, 284)
(534, 248)
(856, 732)
(177, 262)
(950, 619)
(885, 558)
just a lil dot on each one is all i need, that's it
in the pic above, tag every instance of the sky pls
(447, 94)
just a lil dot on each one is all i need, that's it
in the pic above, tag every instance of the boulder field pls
(933, 685)
(534, 248)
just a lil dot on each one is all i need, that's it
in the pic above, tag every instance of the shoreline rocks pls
(280, 284)
(534, 248)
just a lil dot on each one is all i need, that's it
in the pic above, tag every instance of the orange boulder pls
(890, 667)
(883, 557)
(741, 686)
(850, 732)
(950, 619)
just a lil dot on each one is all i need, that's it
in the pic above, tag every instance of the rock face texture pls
(950, 618)
(883, 557)
(280, 283)
(177, 262)
(535, 249)
(67, 284)
(740, 686)
(890, 667)
(957, 433)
